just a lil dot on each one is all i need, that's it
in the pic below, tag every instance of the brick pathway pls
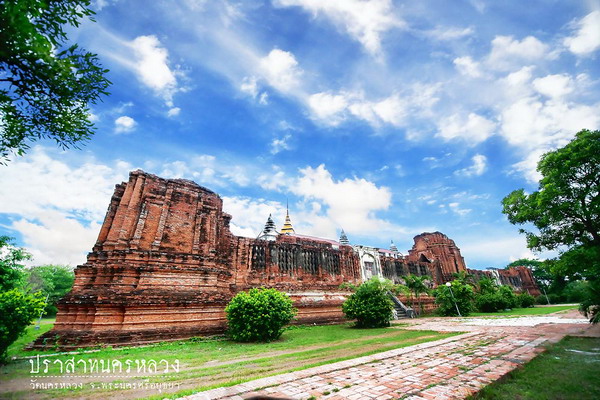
(451, 368)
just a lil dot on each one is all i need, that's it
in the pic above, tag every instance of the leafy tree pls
(566, 212)
(370, 305)
(566, 207)
(53, 280)
(417, 286)
(11, 269)
(464, 277)
(17, 310)
(259, 315)
(462, 295)
(487, 286)
(45, 84)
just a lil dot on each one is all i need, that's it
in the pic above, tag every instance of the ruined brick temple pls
(166, 264)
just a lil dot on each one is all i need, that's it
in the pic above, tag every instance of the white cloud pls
(528, 166)
(280, 144)
(455, 208)
(124, 124)
(586, 39)
(350, 203)
(57, 207)
(250, 86)
(467, 66)
(507, 52)
(152, 67)
(281, 70)
(249, 215)
(554, 86)
(476, 169)
(531, 123)
(474, 129)
(446, 34)
(364, 20)
(173, 112)
(327, 106)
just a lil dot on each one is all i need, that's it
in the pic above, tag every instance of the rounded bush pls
(462, 295)
(259, 315)
(17, 310)
(526, 300)
(490, 302)
(509, 297)
(370, 305)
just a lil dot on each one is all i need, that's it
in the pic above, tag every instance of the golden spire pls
(287, 226)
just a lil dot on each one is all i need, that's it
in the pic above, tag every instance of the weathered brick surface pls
(166, 264)
(440, 252)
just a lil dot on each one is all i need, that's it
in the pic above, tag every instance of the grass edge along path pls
(567, 370)
(516, 312)
(295, 351)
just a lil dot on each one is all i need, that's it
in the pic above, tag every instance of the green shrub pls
(508, 296)
(259, 315)
(576, 291)
(490, 302)
(526, 300)
(462, 293)
(370, 305)
(17, 310)
(541, 299)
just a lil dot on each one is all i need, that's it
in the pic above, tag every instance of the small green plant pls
(461, 296)
(370, 305)
(259, 315)
(526, 300)
(17, 310)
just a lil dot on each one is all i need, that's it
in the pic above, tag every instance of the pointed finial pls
(287, 229)
(393, 246)
(344, 239)
(270, 231)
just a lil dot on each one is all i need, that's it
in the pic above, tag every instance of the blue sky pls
(384, 118)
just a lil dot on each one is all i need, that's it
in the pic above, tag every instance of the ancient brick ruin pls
(165, 265)
(520, 278)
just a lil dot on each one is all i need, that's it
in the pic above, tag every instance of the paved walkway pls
(451, 368)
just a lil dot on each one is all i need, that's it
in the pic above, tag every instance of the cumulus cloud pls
(350, 203)
(586, 38)
(173, 112)
(57, 207)
(365, 21)
(395, 109)
(473, 129)
(281, 70)
(507, 51)
(467, 66)
(476, 169)
(554, 86)
(124, 124)
(328, 107)
(532, 123)
(152, 67)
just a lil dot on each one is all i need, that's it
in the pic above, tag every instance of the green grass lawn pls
(568, 370)
(16, 349)
(208, 363)
(525, 311)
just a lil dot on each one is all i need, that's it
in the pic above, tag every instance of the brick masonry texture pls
(165, 265)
